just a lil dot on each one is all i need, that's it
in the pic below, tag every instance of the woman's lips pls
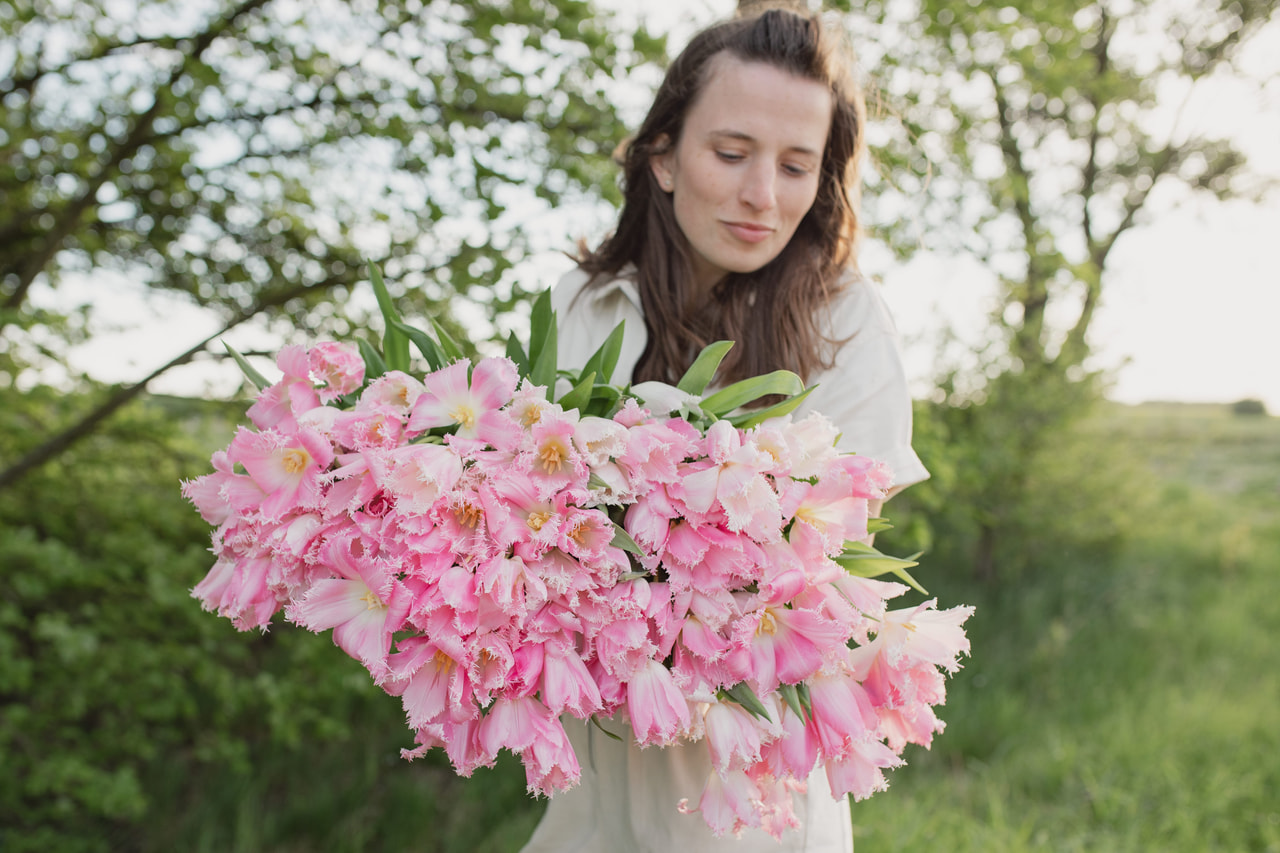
(748, 232)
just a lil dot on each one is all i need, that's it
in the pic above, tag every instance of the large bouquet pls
(504, 544)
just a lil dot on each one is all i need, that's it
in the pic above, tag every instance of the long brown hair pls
(774, 312)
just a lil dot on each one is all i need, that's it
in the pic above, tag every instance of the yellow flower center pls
(579, 533)
(768, 624)
(464, 415)
(537, 519)
(468, 514)
(810, 516)
(532, 414)
(552, 456)
(372, 600)
(443, 661)
(295, 461)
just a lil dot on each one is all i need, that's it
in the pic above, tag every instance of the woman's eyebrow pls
(742, 136)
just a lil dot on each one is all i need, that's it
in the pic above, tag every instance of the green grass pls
(1126, 705)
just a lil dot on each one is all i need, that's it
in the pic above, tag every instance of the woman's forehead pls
(754, 101)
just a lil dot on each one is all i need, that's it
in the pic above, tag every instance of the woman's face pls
(746, 168)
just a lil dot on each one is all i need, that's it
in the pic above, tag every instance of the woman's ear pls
(662, 163)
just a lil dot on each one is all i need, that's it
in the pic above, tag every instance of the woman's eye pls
(729, 156)
(795, 170)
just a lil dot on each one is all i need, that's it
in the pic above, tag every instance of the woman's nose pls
(758, 187)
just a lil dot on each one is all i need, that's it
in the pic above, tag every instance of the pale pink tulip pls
(287, 468)
(364, 606)
(732, 735)
(393, 389)
(373, 426)
(279, 406)
(419, 475)
(599, 440)
(728, 803)
(473, 406)
(658, 711)
(858, 771)
(337, 366)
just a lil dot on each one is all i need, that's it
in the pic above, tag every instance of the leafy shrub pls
(1249, 407)
(108, 669)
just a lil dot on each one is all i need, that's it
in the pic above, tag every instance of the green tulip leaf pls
(374, 366)
(395, 345)
(516, 353)
(741, 393)
(749, 419)
(605, 359)
(622, 539)
(747, 698)
(430, 351)
(579, 395)
(259, 381)
(704, 367)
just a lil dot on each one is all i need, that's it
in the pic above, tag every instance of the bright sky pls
(1189, 311)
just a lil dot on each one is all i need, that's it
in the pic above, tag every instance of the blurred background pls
(1068, 206)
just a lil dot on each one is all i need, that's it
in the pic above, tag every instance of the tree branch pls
(1035, 295)
(102, 51)
(88, 423)
(70, 215)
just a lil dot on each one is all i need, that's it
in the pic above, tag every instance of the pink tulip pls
(279, 406)
(338, 367)
(432, 680)
(473, 405)
(550, 762)
(658, 711)
(732, 735)
(567, 684)
(858, 770)
(419, 475)
(778, 645)
(393, 389)
(727, 803)
(287, 468)
(842, 714)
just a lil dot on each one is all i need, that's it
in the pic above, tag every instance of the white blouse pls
(626, 800)
(864, 393)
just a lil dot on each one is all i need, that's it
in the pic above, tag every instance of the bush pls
(1248, 407)
(109, 671)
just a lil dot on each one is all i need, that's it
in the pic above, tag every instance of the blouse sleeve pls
(585, 318)
(865, 392)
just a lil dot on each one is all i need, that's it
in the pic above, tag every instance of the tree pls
(250, 154)
(1034, 134)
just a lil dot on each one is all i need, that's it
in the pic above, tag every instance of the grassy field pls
(1131, 704)
(1126, 707)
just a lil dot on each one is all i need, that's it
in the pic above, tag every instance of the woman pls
(738, 223)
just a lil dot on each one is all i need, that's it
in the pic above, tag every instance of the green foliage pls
(109, 671)
(1025, 133)
(248, 154)
(1019, 477)
(1249, 407)
(1123, 703)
